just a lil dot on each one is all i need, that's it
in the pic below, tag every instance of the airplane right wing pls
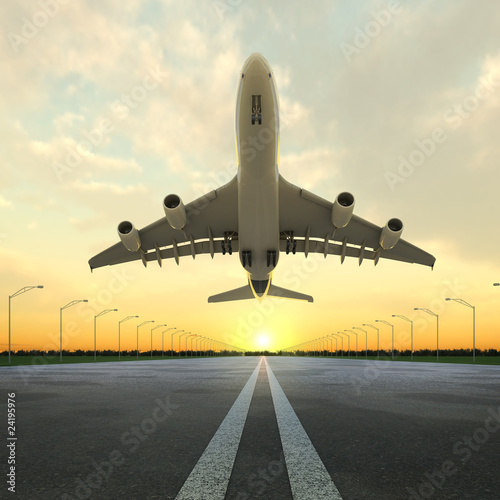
(306, 226)
(212, 223)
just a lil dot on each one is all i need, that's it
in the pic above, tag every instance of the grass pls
(54, 360)
(480, 360)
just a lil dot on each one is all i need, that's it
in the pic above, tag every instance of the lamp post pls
(180, 336)
(354, 333)
(406, 319)
(366, 339)
(336, 335)
(19, 292)
(437, 327)
(392, 326)
(95, 321)
(162, 344)
(460, 301)
(138, 326)
(154, 328)
(69, 304)
(375, 328)
(195, 335)
(348, 342)
(119, 333)
(336, 343)
(172, 342)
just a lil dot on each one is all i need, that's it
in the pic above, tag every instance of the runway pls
(247, 428)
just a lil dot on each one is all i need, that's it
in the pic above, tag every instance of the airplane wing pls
(306, 224)
(212, 221)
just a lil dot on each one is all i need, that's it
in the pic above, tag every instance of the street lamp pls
(366, 339)
(392, 326)
(172, 342)
(406, 319)
(95, 321)
(180, 336)
(375, 328)
(19, 292)
(119, 333)
(354, 333)
(437, 327)
(72, 303)
(336, 335)
(154, 328)
(194, 335)
(162, 344)
(336, 343)
(143, 323)
(460, 301)
(348, 342)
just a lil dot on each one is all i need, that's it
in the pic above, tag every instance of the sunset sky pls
(106, 107)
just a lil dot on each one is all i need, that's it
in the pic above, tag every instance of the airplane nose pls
(256, 63)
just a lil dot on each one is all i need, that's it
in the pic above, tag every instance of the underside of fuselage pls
(257, 144)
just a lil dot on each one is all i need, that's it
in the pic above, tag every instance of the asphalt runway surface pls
(254, 428)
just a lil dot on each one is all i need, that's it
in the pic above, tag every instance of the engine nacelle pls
(391, 233)
(175, 211)
(342, 209)
(129, 236)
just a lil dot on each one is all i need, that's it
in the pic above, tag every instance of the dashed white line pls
(309, 479)
(210, 477)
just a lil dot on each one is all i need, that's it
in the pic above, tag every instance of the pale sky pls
(106, 107)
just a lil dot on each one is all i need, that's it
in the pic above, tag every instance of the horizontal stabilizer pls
(277, 291)
(244, 292)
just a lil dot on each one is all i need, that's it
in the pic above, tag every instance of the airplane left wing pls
(211, 223)
(306, 226)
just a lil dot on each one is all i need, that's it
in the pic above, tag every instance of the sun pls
(263, 340)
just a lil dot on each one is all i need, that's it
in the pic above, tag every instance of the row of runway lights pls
(313, 345)
(206, 344)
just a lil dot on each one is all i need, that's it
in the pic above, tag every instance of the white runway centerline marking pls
(309, 479)
(210, 477)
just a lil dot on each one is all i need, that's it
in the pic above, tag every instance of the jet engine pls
(129, 236)
(342, 209)
(175, 211)
(391, 233)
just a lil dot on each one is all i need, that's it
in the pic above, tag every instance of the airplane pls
(258, 213)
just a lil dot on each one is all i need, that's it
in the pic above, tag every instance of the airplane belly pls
(258, 204)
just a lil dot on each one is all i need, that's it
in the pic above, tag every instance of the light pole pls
(95, 321)
(392, 326)
(154, 328)
(119, 334)
(172, 342)
(336, 335)
(437, 327)
(406, 319)
(19, 292)
(195, 335)
(366, 339)
(375, 328)
(72, 303)
(354, 333)
(336, 343)
(143, 323)
(180, 336)
(162, 344)
(460, 301)
(348, 342)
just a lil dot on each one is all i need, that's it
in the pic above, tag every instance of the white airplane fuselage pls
(257, 149)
